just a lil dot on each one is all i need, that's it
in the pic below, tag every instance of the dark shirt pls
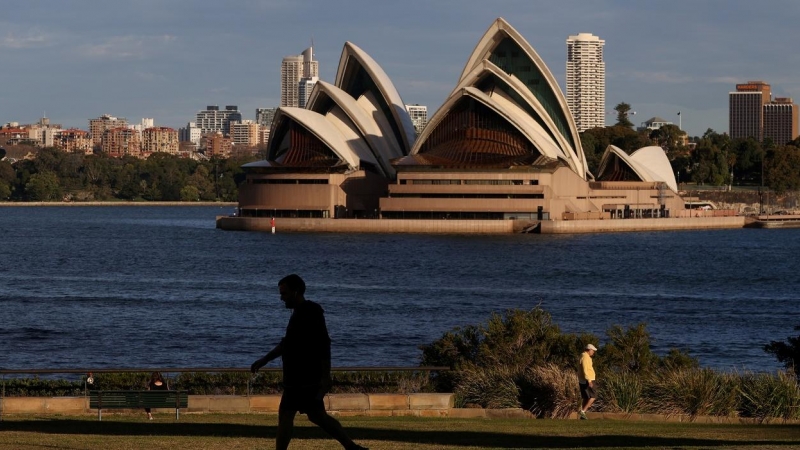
(306, 347)
(154, 387)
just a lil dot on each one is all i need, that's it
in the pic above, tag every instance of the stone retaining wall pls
(427, 405)
(374, 405)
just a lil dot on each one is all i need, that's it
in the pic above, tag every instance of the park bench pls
(101, 400)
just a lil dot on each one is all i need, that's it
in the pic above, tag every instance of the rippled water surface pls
(160, 286)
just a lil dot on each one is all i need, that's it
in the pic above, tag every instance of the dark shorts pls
(587, 392)
(301, 400)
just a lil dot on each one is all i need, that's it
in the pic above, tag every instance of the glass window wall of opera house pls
(503, 146)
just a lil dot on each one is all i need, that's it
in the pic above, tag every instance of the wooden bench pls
(101, 400)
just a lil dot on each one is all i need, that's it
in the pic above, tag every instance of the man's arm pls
(274, 353)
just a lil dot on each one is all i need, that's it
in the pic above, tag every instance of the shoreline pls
(115, 203)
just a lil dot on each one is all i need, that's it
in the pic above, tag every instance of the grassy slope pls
(247, 431)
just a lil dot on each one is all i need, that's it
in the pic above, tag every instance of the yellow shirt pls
(586, 370)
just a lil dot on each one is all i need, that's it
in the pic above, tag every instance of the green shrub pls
(381, 382)
(222, 383)
(621, 392)
(37, 387)
(764, 396)
(517, 340)
(549, 391)
(787, 352)
(693, 392)
(487, 388)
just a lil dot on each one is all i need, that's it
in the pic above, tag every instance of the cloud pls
(657, 77)
(125, 47)
(23, 42)
(149, 76)
(726, 80)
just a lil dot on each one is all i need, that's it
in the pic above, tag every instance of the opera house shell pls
(503, 146)
(332, 159)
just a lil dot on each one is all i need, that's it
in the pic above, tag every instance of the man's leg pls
(331, 426)
(285, 428)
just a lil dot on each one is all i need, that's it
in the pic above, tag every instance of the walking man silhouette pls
(306, 354)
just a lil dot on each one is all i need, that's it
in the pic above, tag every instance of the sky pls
(73, 60)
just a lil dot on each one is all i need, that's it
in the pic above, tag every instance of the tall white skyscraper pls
(586, 81)
(294, 69)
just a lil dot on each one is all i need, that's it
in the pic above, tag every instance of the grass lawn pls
(249, 431)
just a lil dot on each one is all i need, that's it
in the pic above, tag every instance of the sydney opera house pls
(503, 146)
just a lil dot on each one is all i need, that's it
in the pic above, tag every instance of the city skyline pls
(76, 60)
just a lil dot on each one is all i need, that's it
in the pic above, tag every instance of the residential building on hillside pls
(121, 141)
(586, 81)
(190, 133)
(212, 119)
(44, 132)
(98, 126)
(160, 139)
(73, 141)
(217, 145)
(653, 123)
(245, 133)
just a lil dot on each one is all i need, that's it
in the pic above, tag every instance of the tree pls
(669, 137)
(43, 186)
(782, 169)
(189, 193)
(5, 190)
(622, 110)
(787, 352)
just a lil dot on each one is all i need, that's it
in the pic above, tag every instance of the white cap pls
(591, 347)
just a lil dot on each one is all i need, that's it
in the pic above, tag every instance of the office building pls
(293, 69)
(746, 110)
(97, 127)
(418, 115)
(213, 120)
(586, 81)
(780, 120)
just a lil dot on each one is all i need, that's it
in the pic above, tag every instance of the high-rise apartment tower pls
(293, 70)
(586, 80)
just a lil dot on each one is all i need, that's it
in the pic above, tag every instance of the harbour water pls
(160, 286)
